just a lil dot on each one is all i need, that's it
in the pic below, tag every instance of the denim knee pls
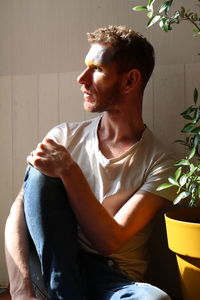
(38, 177)
(149, 292)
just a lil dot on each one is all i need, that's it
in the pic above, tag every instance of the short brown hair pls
(132, 49)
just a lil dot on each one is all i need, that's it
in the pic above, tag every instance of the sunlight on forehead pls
(99, 55)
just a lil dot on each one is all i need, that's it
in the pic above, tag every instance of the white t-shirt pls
(143, 167)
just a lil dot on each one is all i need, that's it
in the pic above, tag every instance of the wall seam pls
(12, 137)
(58, 95)
(38, 103)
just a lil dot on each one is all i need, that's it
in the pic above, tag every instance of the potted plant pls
(183, 224)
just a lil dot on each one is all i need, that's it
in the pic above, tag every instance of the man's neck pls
(117, 133)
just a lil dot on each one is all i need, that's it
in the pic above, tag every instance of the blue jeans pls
(69, 273)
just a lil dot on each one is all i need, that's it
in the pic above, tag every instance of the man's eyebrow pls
(92, 62)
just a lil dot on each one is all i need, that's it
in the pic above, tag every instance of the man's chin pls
(89, 106)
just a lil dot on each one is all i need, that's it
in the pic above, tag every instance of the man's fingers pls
(36, 161)
(30, 160)
(50, 141)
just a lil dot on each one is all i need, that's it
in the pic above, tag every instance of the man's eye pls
(97, 68)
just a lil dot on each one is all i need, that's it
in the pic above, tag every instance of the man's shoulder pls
(63, 132)
(156, 144)
(78, 124)
(155, 151)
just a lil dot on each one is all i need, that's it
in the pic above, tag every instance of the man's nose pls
(84, 77)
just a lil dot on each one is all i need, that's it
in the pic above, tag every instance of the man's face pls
(100, 80)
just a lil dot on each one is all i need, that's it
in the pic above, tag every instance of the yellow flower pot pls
(183, 233)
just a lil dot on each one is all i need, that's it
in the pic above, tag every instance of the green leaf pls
(196, 116)
(150, 13)
(173, 181)
(192, 169)
(188, 117)
(192, 153)
(162, 7)
(176, 16)
(196, 141)
(181, 142)
(181, 196)
(151, 2)
(153, 20)
(196, 31)
(188, 128)
(140, 8)
(164, 186)
(161, 23)
(196, 130)
(192, 188)
(165, 24)
(177, 173)
(194, 16)
(188, 111)
(195, 95)
(190, 14)
(182, 12)
(183, 180)
(182, 162)
(165, 6)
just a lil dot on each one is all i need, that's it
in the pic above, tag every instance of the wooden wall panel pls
(49, 36)
(6, 135)
(148, 105)
(70, 98)
(25, 124)
(48, 112)
(192, 81)
(5, 163)
(31, 104)
(88, 115)
(169, 93)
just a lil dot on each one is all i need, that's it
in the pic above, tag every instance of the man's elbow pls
(18, 203)
(110, 246)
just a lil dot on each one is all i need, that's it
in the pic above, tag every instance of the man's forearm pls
(91, 215)
(108, 229)
(17, 251)
(108, 232)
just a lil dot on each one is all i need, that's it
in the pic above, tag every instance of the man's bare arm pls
(17, 252)
(108, 231)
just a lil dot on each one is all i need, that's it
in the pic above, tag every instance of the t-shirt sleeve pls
(58, 134)
(158, 174)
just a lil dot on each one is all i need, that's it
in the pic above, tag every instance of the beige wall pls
(42, 50)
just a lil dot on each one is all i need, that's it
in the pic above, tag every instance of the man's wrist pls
(26, 291)
(66, 171)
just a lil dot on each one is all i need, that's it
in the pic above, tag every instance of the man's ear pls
(133, 80)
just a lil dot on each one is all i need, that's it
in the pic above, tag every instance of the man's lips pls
(86, 91)
(88, 95)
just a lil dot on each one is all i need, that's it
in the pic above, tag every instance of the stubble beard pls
(108, 102)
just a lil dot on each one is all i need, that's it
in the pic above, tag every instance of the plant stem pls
(193, 22)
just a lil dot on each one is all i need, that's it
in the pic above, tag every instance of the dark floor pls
(4, 295)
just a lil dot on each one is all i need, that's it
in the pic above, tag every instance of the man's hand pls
(50, 158)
